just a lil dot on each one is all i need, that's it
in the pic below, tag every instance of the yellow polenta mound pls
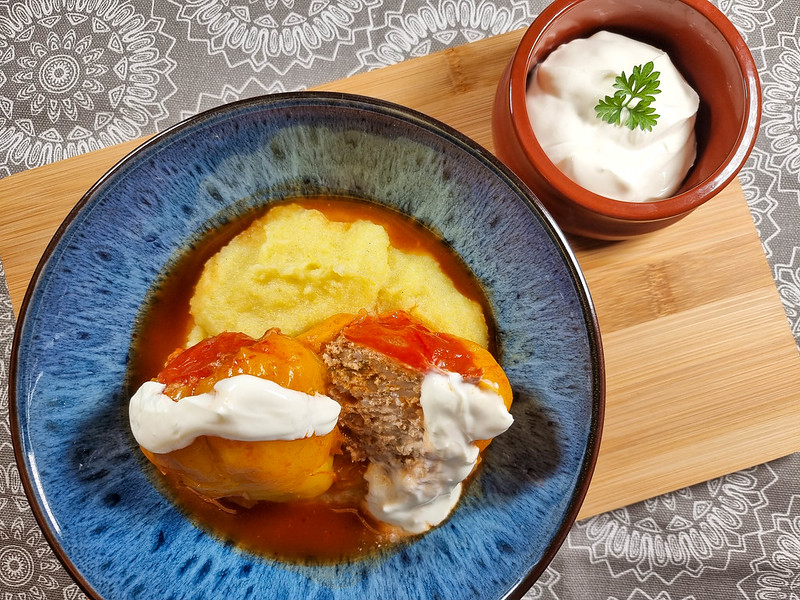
(293, 268)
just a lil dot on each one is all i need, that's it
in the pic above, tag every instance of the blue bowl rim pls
(403, 113)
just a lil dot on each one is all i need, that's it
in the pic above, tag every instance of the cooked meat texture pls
(381, 414)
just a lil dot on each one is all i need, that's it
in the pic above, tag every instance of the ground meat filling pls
(381, 415)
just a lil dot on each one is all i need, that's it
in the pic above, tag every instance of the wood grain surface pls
(703, 374)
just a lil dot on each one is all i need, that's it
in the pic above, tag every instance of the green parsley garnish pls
(641, 86)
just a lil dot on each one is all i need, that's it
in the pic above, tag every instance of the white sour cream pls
(242, 407)
(611, 160)
(456, 414)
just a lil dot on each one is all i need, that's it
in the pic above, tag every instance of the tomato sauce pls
(330, 528)
(318, 531)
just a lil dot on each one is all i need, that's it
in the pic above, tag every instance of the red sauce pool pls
(316, 531)
(326, 530)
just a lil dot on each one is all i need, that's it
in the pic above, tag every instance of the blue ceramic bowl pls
(117, 534)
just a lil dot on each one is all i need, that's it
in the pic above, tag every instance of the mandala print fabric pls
(733, 537)
(79, 75)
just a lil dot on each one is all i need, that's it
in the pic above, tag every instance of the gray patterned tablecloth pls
(77, 75)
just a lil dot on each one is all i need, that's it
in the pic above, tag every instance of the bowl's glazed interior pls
(95, 496)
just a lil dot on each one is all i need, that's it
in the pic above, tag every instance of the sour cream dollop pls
(242, 407)
(456, 414)
(611, 160)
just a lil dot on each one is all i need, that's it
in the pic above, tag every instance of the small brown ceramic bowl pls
(712, 57)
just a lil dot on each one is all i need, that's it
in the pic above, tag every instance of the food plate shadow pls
(524, 459)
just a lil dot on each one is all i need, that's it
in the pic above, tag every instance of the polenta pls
(293, 268)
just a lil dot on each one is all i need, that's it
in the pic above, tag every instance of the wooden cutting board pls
(703, 374)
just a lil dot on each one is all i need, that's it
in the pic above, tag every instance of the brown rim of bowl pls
(636, 211)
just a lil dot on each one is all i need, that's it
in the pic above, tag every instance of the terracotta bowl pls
(706, 49)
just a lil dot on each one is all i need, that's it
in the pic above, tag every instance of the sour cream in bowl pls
(639, 162)
(580, 181)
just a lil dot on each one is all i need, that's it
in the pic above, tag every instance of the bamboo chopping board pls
(702, 370)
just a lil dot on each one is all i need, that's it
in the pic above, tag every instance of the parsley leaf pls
(642, 85)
